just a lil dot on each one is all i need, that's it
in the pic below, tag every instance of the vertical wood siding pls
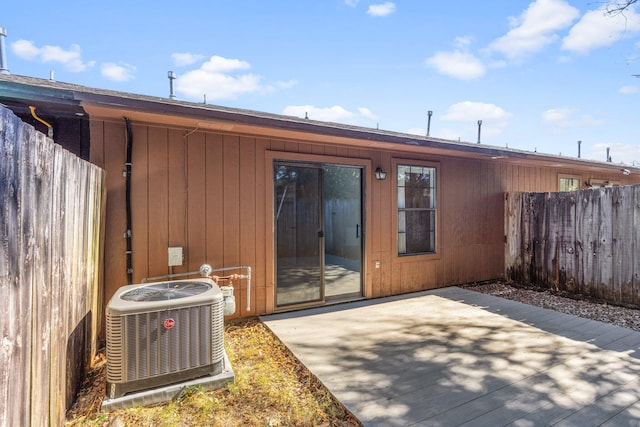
(206, 191)
(50, 222)
(584, 242)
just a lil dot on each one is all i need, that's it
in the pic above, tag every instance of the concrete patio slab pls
(453, 357)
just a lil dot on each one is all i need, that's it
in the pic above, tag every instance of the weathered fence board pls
(584, 242)
(16, 299)
(51, 210)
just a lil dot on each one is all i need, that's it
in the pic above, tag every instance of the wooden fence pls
(584, 242)
(51, 210)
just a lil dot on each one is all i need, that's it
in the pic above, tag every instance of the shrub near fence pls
(50, 220)
(584, 242)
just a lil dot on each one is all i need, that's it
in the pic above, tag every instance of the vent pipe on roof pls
(3, 56)
(479, 128)
(579, 143)
(608, 156)
(172, 77)
(429, 114)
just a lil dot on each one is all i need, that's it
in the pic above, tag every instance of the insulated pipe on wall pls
(127, 175)
(44, 122)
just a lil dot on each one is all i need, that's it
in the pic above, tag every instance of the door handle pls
(357, 231)
(320, 233)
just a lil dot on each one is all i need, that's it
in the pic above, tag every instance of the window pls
(569, 183)
(416, 210)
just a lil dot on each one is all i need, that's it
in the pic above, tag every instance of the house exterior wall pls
(211, 193)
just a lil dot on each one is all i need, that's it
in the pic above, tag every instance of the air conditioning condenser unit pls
(163, 333)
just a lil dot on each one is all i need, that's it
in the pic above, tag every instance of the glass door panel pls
(298, 234)
(342, 200)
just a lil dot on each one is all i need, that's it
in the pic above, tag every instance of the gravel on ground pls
(578, 306)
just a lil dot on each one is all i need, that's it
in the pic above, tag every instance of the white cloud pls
(559, 117)
(535, 28)
(628, 90)
(597, 29)
(462, 42)
(563, 118)
(383, 9)
(216, 79)
(352, 3)
(219, 64)
(71, 59)
(25, 49)
(494, 120)
(367, 113)
(185, 58)
(629, 154)
(120, 72)
(286, 85)
(469, 110)
(460, 65)
(335, 114)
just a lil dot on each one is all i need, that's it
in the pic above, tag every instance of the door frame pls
(270, 237)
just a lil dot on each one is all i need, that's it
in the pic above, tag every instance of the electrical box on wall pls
(175, 256)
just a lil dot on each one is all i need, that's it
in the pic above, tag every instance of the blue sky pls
(540, 74)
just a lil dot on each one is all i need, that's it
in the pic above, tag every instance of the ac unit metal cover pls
(163, 333)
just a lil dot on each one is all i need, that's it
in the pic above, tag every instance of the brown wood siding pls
(209, 193)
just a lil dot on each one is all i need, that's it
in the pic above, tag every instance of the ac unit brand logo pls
(169, 323)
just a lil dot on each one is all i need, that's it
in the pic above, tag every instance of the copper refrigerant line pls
(206, 270)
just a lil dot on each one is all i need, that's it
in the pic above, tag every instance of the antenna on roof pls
(172, 77)
(429, 114)
(3, 56)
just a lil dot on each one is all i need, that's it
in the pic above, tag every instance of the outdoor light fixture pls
(624, 172)
(380, 174)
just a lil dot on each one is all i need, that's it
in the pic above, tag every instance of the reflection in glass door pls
(318, 219)
(342, 203)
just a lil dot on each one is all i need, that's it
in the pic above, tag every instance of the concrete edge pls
(172, 391)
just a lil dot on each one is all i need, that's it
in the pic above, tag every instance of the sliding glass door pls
(318, 219)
